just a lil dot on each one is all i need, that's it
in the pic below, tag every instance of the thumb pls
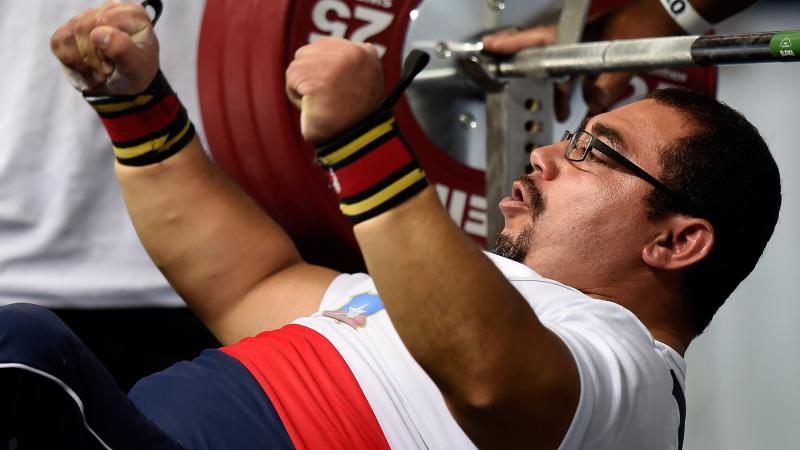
(605, 90)
(130, 61)
(304, 115)
(315, 123)
(101, 37)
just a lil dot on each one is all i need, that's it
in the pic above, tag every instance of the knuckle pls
(352, 54)
(59, 38)
(294, 72)
(105, 17)
(117, 13)
(83, 26)
(300, 52)
(306, 87)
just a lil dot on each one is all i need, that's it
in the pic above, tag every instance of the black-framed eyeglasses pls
(582, 142)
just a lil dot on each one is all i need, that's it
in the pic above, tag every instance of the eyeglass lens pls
(578, 145)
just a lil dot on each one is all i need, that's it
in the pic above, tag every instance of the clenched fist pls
(335, 83)
(108, 50)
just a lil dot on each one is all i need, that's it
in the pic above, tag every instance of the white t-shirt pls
(67, 240)
(626, 399)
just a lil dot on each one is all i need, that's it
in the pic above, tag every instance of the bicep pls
(293, 292)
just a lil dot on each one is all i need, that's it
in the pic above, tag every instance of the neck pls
(656, 301)
(672, 339)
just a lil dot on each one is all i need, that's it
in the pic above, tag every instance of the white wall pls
(743, 381)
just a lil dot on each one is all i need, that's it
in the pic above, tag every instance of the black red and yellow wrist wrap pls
(372, 168)
(145, 128)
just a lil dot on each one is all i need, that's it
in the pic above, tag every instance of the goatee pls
(517, 248)
(513, 248)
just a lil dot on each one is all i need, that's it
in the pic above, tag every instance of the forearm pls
(423, 267)
(500, 370)
(212, 242)
(716, 11)
(643, 18)
(460, 318)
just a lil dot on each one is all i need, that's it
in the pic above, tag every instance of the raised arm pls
(509, 381)
(235, 267)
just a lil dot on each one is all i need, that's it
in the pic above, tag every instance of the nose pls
(546, 160)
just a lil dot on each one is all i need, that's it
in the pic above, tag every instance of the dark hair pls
(729, 177)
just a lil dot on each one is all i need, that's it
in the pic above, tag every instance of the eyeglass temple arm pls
(632, 167)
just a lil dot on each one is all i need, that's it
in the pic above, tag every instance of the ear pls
(680, 242)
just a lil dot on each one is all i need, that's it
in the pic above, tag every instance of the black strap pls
(157, 6)
(413, 65)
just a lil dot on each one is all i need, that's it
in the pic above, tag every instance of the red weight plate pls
(252, 129)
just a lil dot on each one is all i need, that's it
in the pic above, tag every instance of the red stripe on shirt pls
(313, 390)
(143, 123)
(372, 167)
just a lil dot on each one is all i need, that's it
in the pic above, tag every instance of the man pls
(638, 232)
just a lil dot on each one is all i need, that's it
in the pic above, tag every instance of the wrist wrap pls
(372, 171)
(684, 14)
(145, 128)
(371, 166)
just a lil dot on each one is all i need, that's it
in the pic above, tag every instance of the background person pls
(67, 242)
(619, 20)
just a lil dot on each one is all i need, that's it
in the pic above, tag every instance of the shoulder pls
(627, 388)
(626, 398)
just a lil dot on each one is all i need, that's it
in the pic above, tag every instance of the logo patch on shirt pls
(356, 311)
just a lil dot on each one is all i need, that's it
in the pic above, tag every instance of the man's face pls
(584, 223)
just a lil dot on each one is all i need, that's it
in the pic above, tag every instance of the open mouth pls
(518, 193)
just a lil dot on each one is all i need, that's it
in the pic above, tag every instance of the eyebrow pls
(617, 141)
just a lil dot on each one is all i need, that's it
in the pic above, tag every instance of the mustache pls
(537, 201)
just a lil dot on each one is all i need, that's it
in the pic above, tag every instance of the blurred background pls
(742, 379)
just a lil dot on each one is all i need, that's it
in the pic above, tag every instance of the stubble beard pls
(517, 248)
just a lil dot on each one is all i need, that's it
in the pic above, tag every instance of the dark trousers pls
(135, 342)
(54, 394)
